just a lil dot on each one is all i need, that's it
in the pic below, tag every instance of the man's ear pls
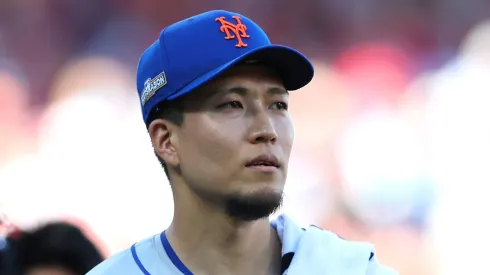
(164, 138)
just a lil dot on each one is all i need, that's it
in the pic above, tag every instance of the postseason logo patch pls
(151, 86)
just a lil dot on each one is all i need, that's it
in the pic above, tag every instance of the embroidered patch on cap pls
(152, 85)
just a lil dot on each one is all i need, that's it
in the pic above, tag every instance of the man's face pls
(234, 146)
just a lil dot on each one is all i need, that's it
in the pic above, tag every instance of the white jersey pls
(311, 251)
(151, 256)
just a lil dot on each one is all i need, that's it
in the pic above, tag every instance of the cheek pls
(218, 148)
(210, 148)
(285, 132)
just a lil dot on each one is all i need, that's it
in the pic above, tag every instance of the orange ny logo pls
(234, 31)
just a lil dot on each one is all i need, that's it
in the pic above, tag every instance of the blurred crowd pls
(54, 248)
(392, 142)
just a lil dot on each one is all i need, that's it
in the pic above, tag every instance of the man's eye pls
(232, 104)
(280, 106)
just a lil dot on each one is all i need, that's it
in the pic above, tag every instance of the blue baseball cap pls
(196, 50)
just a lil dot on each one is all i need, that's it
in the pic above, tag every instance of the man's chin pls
(254, 205)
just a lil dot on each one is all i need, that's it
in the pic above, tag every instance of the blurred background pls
(392, 136)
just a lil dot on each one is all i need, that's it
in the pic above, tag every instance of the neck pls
(210, 242)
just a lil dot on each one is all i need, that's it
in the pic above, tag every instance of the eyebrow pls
(271, 91)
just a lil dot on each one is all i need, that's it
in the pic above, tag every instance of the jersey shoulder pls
(347, 253)
(121, 263)
(124, 262)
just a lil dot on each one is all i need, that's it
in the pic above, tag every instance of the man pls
(214, 96)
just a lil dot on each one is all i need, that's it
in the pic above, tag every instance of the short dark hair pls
(172, 111)
(57, 243)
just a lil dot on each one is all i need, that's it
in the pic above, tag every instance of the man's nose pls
(263, 130)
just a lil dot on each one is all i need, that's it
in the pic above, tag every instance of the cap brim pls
(293, 67)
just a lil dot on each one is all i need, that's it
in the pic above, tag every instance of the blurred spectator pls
(15, 120)
(376, 73)
(321, 109)
(53, 249)
(459, 108)
(89, 123)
